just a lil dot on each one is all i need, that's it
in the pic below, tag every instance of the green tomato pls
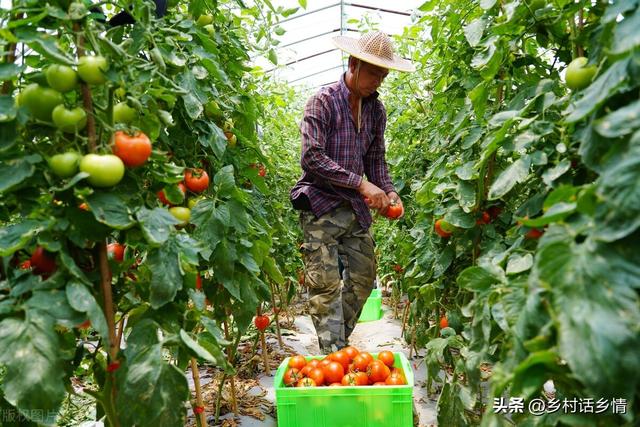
(181, 214)
(105, 170)
(40, 101)
(91, 68)
(120, 92)
(210, 29)
(204, 20)
(65, 165)
(578, 76)
(61, 77)
(193, 202)
(212, 111)
(122, 113)
(69, 121)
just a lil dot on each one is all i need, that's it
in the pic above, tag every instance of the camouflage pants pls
(335, 305)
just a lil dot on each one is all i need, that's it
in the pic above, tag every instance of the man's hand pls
(374, 196)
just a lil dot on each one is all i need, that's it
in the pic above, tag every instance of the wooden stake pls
(275, 316)
(263, 343)
(199, 403)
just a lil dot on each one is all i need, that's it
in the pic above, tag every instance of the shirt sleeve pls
(375, 166)
(314, 128)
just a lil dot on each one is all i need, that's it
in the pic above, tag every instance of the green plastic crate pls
(372, 309)
(365, 406)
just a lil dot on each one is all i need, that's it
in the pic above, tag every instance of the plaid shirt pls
(335, 155)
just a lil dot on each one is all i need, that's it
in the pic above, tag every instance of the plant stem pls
(196, 381)
(86, 94)
(234, 401)
(11, 57)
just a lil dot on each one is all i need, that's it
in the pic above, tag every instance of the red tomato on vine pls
(133, 150)
(196, 180)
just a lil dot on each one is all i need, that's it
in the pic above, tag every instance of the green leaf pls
(626, 35)
(460, 218)
(45, 44)
(156, 224)
(516, 173)
(34, 371)
(110, 209)
(618, 214)
(8, 109)
(150, 390)
(555, 172)
(594, 295)
(443, 261)
(428, 6)
(54, 303)
(478, 96)
(474, 30)
(555, 213)
(81, 299)
(272, 56)
(71, 266)
(476, 279)
(16, 236)
(215, 139)
(271, 268)
(224, 180)
(518, 263)
(166, 275)
(620, 122)
(487, 4)
(14, 172)
(606, 85)
(303, 3)
(10, 71)
(197, 350)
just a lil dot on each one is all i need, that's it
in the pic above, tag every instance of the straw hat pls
(375, 48)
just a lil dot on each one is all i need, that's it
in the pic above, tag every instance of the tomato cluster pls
(345, 367)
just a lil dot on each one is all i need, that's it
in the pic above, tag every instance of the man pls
(342, 139)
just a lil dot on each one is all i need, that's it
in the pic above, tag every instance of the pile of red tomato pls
(345, 367)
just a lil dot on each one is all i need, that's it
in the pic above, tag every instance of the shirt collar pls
(344, 90)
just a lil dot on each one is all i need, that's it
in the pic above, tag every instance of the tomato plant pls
(505, 134)
(151, 77)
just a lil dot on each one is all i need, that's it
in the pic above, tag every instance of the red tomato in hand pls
(197, 180)
(133, 150)
(333, 372)
(387, 358)
(261, 322)
(116, 251)
(394, 211)
(297, 361)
